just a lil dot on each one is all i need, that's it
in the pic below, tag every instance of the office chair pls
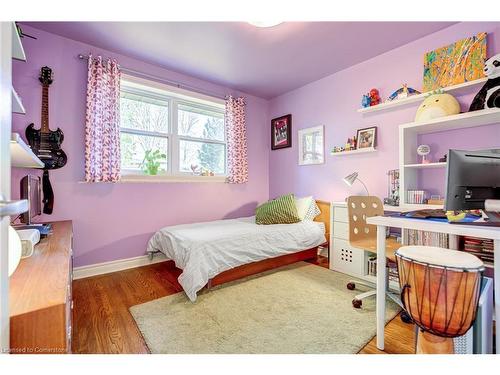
(364, 236)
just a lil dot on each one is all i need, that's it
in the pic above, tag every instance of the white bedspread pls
(203, 250)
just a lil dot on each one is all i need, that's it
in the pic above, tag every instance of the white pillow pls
(312, 212)
(303, 206)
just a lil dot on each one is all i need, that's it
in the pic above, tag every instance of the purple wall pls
(115, 221)
(333, 101)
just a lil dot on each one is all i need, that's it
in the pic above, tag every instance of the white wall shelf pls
(13, 208)
(460, 121)
(426, 166)
(351, 152)
(457, 90)
(17, 46)
(17, 104)
(21, 154)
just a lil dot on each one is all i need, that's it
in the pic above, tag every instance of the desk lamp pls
(350, 179)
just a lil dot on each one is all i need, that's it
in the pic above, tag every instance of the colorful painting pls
(457, 63)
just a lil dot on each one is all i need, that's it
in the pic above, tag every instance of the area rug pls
(301, 308)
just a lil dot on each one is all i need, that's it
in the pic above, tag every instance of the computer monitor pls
(31, 190)
(473, 177)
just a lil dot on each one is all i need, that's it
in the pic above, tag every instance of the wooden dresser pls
(40, 296)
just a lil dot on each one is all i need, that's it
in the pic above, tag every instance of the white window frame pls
(173, 97)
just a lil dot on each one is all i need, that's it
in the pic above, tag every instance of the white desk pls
(387, 208)
(382, 222)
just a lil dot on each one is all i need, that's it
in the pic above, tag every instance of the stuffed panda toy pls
(489, 95)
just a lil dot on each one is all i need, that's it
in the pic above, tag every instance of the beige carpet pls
(300, 308)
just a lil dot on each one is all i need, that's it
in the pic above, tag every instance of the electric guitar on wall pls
(46, 143)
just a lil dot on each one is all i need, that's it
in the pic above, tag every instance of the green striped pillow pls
(281, 210)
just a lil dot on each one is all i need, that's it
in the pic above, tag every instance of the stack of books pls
(423, 238)
(393, 274)
(416, 196)
(480, 247)
(392, 269)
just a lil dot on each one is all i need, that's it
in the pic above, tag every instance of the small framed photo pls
(281, 132)
(367, 138)
(311, 146)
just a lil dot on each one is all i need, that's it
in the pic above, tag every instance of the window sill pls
(138, 178)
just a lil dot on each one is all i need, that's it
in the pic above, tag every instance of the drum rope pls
(454, 300)
(419, 303)
(475, 296)
(442, 277)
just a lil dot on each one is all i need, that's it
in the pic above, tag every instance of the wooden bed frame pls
(279, 261)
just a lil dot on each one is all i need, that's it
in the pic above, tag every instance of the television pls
(31, 189)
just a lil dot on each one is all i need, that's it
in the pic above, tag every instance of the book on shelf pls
(372, 269)
(416, 196)
(480, 247)
(372, 266)
(423, 238)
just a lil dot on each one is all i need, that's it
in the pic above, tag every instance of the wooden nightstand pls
(41, 296)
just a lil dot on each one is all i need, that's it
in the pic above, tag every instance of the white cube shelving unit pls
(344, 257)
(408, 143)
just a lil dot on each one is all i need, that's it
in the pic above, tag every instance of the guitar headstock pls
(46, 76)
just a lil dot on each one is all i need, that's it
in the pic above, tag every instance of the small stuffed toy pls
(374, 97)
(402, 93)
(489, 95)
(436, 105)
(365, 102)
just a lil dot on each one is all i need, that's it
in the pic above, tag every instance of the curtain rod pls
(163, 80)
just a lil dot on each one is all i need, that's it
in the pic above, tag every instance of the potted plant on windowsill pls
(152, 161)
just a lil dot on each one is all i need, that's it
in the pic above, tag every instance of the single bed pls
(216, 252)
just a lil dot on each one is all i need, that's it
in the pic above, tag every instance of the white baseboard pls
(115, 265)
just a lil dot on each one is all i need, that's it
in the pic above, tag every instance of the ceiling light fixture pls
(265, 23)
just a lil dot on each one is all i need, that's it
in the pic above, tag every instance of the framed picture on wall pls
(367, 138)
(281, 132)
(311, 146)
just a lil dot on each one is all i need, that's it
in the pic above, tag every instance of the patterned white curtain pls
(236, 135)
(102, 122)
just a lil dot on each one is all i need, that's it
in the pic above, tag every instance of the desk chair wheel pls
(351, 286)
(357, 303)
(405, 317)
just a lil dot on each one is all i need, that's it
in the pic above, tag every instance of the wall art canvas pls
(281, 132)
(456, 63)
(311, 146)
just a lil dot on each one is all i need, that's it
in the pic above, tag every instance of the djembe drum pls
(440, 290)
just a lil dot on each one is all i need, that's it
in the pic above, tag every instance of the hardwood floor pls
(103, 324)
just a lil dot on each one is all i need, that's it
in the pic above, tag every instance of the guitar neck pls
(45, 109)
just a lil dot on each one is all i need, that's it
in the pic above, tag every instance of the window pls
(170, 133)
